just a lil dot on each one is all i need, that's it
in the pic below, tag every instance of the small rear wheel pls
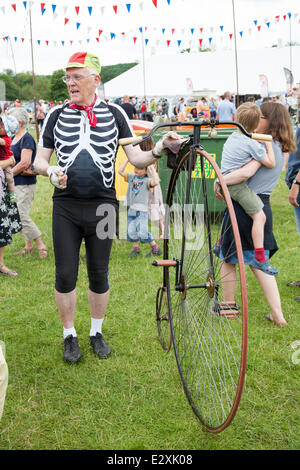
(163, 319)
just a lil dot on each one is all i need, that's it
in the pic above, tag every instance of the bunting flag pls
(214, 32)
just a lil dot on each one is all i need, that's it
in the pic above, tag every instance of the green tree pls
(108, 72)
(11, 89)
(58, 89)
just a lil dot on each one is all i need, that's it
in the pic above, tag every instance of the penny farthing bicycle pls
(201, 307)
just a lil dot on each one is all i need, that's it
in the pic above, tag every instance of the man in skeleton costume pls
(85, 132)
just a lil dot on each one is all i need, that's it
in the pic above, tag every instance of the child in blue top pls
(139, 185)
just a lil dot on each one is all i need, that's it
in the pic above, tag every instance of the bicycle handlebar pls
(138, 139)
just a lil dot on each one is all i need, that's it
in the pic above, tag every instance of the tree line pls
(49, 87)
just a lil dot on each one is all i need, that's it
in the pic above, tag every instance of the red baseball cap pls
(84, 59)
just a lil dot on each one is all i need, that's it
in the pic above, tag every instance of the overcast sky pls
(178, 18)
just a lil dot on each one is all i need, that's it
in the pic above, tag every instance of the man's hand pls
(218, 191)
(293, 195)
(170, 140)
(57, 177)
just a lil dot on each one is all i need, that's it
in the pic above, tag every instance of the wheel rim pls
(163, 319)
(209, 334)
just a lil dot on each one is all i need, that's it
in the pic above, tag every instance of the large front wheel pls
(207, 296)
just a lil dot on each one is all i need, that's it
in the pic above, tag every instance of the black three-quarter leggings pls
(74, 220)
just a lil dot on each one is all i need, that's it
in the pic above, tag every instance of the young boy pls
(137, 195)
(237, 151)
(8, 126)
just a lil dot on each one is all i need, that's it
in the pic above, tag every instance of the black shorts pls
(75, 220)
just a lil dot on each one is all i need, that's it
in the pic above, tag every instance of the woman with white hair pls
(24, 149)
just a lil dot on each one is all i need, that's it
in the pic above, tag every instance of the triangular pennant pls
(163, 30)
(66, 20)
(259, 27)
(25, 5)
(115, 7)
(284, 17)
(63, 43)
(173, 30)
(200, 42)
(15, 38)
(39, 42)
(77, 10)
(71, 41)
(53, 8)
(168, 2)
(255, 22)
(97, 39)
(230, 36)
(128, 6)
(192, 30)
(77, 25)
(155, 3)
(47, 43)
(42, 7)
(210, 40)
(178, 42)
(241, 33)
(22, 39)
(268, 24)
(134, 40)
(100, 32)
(112, 35)
(146, 41)
(90, 10)
(168, 42)
(221, 28)
(14, 6)
(201, 30)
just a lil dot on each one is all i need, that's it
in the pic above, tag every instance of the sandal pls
(294, 284)
(269, 318)
(24, 251)
(264, 267)
(9, 273)
(43, 253)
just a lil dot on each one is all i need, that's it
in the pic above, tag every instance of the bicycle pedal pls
(228, 309)
(164, 262)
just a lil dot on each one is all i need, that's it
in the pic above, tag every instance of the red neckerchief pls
(89, 111)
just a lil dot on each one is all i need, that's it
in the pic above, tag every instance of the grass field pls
(134, 399)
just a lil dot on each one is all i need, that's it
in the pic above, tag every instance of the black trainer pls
(72, 353)
(99, 346)
(154, 253)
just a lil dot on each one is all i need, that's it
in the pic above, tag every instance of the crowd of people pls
(216, 107)
(84, 176)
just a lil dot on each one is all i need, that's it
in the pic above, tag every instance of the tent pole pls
(143, 55)
(236, 58)
(33, 79)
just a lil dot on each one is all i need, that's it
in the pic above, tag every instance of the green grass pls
(134, 399)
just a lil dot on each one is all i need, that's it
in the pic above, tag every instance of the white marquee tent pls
(167, 75)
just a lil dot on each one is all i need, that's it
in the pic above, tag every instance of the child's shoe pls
(134, 253)
(156, 251)
(264, 267)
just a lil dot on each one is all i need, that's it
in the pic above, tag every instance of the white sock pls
(96, 326)
(70, 331)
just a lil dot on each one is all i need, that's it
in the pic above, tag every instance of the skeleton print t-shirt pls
(86, 154)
